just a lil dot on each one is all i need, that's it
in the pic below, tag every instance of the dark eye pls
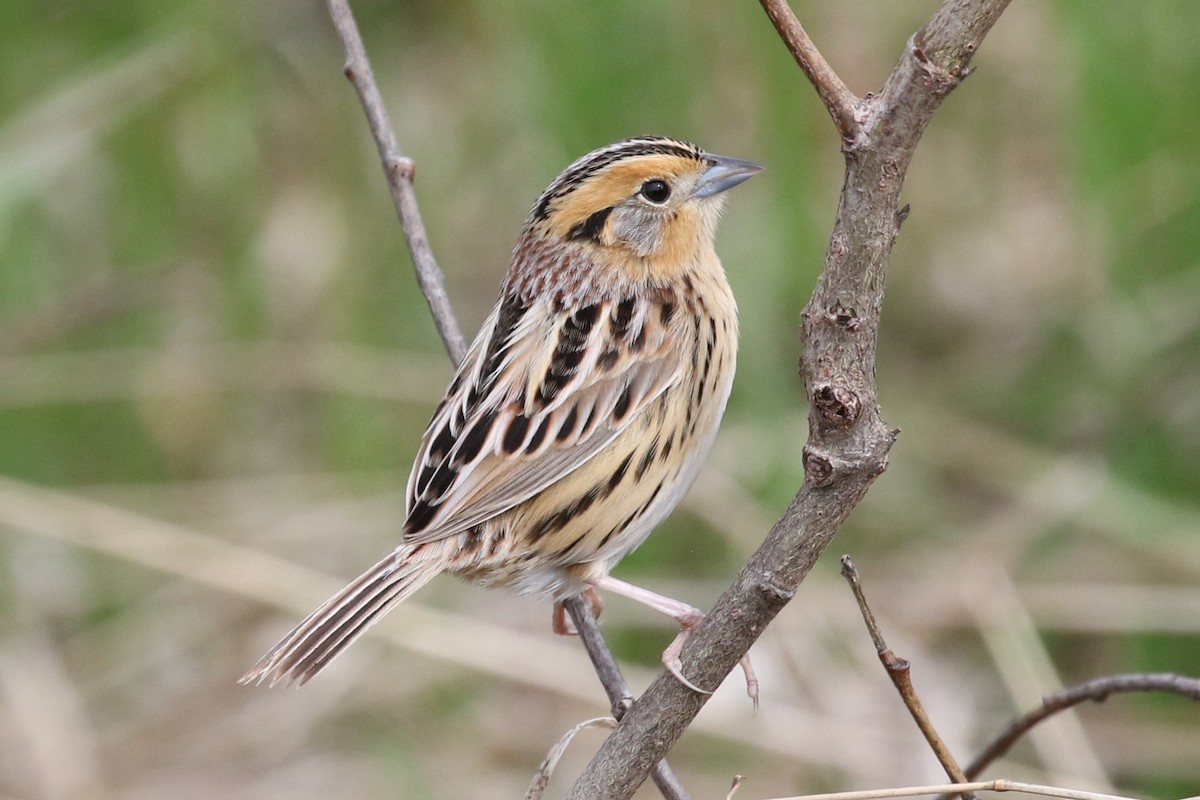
(656, 191)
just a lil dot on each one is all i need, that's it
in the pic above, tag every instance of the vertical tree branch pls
(848, 440)
(400, 171)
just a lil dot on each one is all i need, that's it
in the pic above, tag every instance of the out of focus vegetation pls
(215, 366)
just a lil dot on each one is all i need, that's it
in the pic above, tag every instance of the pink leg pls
(560, 623)
(688, 618)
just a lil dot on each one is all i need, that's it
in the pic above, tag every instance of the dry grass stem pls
(979, 786)
(542, 777)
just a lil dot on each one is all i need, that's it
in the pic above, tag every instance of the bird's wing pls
(539, 394)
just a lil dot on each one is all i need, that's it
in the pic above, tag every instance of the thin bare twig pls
(899, 670)
(1097, 690)
(400, 171)
(839, 101)
(620, 698)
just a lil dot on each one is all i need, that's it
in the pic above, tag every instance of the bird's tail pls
(344, 617)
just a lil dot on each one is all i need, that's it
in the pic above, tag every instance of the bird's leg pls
(560, 623)
(688, 618)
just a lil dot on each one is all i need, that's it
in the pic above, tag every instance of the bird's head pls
(647, 206)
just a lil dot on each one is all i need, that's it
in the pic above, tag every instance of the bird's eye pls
(656, 191)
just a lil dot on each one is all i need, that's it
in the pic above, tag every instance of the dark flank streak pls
(584, 503)
(563, 551)
(647, 460)
(629, 521)
(648, 503)
(550, 524)
(573, 511)
(619, 474)
(607, 536)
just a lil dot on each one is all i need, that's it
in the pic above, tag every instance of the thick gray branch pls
(848, 440)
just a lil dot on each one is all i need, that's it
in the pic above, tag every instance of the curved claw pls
(676, 669)
(670, 659)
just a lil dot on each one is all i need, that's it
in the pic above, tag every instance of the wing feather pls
(539, 394)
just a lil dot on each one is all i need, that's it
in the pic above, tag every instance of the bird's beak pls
(725, 173)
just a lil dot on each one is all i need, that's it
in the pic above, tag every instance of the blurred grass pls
(207, 319)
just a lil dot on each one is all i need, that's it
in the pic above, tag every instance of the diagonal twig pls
(400, 171)
(1097, 690)
(899, 670)
(838, 99)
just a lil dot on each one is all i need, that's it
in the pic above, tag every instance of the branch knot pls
(837, 405)
(818, 467)
(402, 167)
(844, 316)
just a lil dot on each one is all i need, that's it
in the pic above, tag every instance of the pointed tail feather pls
(330, 629)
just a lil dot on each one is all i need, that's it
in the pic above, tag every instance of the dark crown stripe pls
(597, 160)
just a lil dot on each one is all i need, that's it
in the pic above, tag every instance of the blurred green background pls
(215, 367)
